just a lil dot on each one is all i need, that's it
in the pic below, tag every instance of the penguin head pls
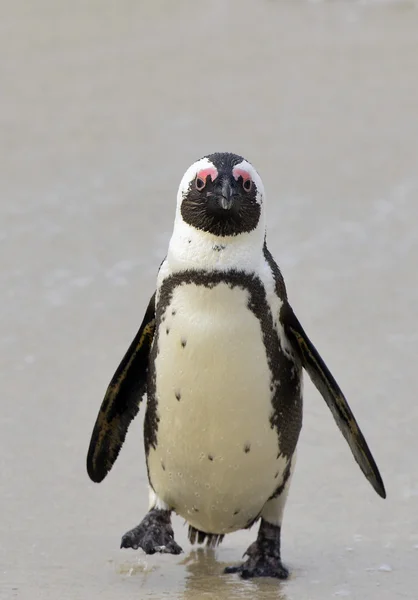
(221, 194)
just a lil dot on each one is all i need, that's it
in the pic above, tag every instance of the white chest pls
(216, 461)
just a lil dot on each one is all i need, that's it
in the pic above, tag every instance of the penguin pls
(219, 355)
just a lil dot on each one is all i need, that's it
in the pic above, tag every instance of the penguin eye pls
(200, 183)
(247, 184)
(202, 177)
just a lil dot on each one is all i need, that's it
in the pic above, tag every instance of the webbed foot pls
(263, 556)
(153, 534)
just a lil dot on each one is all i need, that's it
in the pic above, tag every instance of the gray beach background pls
(103, 105)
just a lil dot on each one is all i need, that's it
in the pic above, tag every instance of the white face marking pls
(247, 167)
(191, 248)
(189, 177)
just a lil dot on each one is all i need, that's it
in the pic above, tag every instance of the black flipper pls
(333, 396)
(121, 401)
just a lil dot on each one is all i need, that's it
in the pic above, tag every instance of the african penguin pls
(220, 355)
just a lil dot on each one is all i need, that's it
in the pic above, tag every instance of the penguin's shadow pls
(205, 578)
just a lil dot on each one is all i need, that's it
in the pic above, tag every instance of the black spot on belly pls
(285, 370)
(236, 512)
(247, 448)
(210, 457)
(183, 342)
(218, 247)
(194, 509)
(163, 465)
(167, 330)
(178, 395)
(277, 474)
(173, 312)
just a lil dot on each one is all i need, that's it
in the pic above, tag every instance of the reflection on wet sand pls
(205, 579)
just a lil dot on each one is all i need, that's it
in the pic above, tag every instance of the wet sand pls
(103, 105)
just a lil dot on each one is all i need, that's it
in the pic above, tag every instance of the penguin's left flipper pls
(333, 396)
(121, 402)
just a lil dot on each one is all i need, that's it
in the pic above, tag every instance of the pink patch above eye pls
(237, 173)
(204, 173)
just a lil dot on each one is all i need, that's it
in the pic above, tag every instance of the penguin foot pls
(153, 534)
(263, 556)
(260, 566)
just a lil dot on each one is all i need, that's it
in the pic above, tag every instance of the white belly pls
(216, 461)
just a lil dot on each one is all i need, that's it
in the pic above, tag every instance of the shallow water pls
(103, 105)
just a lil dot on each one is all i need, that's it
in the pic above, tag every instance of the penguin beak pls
(225, 199)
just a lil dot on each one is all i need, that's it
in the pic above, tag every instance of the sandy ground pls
(103, 105)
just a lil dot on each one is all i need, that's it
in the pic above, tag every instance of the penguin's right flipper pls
(333, 396)
(121, 402)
